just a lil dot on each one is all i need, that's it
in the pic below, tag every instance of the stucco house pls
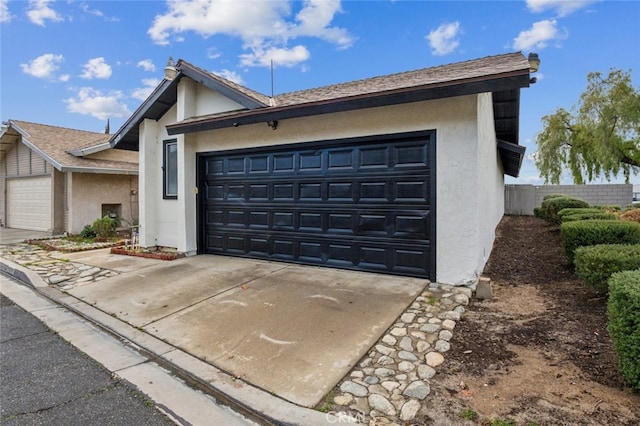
(58, 180)
(400, 174)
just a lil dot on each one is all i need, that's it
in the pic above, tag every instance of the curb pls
(244, 398)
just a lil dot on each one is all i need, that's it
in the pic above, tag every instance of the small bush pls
(592, 232)
(551, 207)
(623, 310)
(537, 212)
(575, 210)
(88, 232)
(550, 196)
(595, 264)
(631, 215)
(105, 227)
(632, 206)
(602, 215)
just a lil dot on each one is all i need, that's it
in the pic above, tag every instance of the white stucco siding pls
(490, 181)
(210, 102)
(456, 124)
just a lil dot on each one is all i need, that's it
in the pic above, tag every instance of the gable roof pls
(64, 148)
(503, 75)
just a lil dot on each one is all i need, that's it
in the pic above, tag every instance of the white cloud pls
(314, 20)
(147, 65)
(213, 53)
(89, 101)
(264, 26)
(444, 39)
(142, 93)
(5, 15)
(281, 56)
(43, 66)
(96, 68)
(230, 75)
(561, 7)
(39, 12)
(540, 34)
(97, 12)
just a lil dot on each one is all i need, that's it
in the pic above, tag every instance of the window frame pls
(167, 171)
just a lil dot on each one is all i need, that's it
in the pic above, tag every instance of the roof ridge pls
(397, 74)
(56, 127)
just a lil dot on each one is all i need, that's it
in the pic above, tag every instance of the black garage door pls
(365, 203)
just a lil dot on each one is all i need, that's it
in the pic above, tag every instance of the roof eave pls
(99, 170)
(90, 150)
(25, 140)
(516, 79)
(135, 119)
(213, 84)
(511, 155)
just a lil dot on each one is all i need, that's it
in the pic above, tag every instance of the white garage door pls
(29, 203)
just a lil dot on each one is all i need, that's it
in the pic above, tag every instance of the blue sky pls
(76, 63)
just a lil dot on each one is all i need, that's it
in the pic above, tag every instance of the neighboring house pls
(59, 180)
(400, 174)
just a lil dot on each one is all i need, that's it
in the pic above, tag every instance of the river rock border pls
(389, 384)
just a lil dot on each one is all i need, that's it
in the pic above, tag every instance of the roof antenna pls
(272, 79)
(106, 128)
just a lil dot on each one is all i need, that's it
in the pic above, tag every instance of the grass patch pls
(327, 404)
(468, 414)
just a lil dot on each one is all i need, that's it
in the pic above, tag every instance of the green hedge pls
(578, 210)
(595, 264)
(592, 232)
(624, 323)
(601, 215)
(550, 196)
(551, 206)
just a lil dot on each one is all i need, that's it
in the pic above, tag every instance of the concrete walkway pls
(13, 236)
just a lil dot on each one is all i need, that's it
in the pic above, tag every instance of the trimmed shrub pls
(550, 196)
(601, 215)
(105, 227)
(575, 210)
(595, 264)
(537, 212)
(551, 207)
(631, 215)
(592, 232)
(623, 310)
(632, 206)
(88, 232)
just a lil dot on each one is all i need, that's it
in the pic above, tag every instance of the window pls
(170, 170)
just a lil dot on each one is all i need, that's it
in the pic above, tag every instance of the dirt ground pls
(538, 353)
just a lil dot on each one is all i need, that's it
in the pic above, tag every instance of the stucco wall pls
(457, 153)
(469, 177)
(490, 202)
(88, 192)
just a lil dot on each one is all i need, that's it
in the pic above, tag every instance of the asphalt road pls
(46, 381)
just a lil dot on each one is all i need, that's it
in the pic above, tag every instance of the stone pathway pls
(53, 267)
(387, 387)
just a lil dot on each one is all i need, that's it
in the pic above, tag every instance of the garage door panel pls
(29, 203)
(364, 205)
(373, 256)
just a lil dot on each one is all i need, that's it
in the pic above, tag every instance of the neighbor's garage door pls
(362, 204)
(29, 203)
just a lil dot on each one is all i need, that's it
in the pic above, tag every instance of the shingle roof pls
(490, 74)
(477, 68)
(54, 143)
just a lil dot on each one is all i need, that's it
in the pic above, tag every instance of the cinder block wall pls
(608, 194)
(521, 199)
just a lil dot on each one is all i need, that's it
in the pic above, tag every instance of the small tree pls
(600, 137)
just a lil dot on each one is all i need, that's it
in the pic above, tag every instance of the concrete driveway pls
(292, 330)
(13, 235)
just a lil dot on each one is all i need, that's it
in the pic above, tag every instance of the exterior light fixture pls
(534, 62)
(170, 70)
(273, 124)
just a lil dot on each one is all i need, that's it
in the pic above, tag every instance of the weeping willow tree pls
(599, 138)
